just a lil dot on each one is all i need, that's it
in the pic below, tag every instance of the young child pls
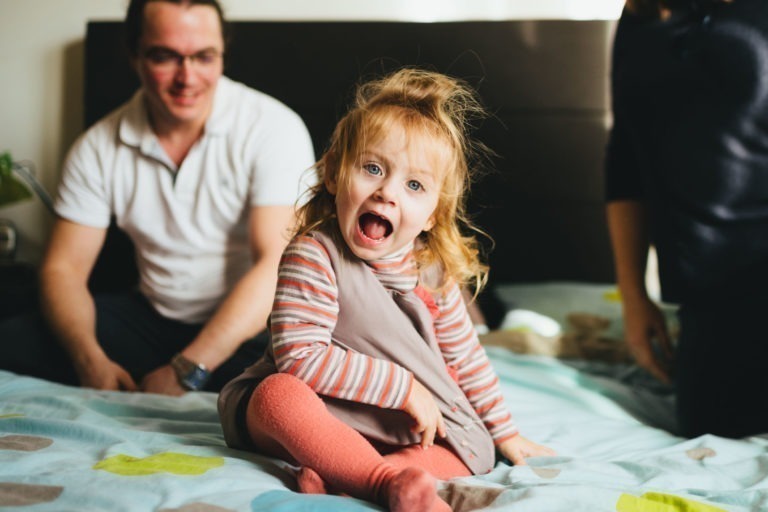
(375, 382)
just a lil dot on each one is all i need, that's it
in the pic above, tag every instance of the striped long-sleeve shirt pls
(304, 315)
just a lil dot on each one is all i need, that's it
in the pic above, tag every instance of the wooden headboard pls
(545, 83)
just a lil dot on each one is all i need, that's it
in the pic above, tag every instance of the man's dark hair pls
(134, 21)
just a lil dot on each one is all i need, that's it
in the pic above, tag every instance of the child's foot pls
(415, 490)
(310, 482)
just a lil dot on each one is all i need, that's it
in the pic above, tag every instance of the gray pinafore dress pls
(388, 325)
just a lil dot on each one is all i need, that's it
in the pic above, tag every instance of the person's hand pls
(105, 374)
(517, 448)
(163, 380)
(645, 330)
(423, 409)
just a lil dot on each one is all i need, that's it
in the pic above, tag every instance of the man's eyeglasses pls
(166, 59)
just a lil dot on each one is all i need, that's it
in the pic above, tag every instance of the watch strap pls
(192, 375)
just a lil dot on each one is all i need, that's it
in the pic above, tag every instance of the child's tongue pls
(373, 226)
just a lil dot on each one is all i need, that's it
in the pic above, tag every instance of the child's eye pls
(373, 169)
(415, 185)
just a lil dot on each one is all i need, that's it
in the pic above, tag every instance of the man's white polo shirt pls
(189, 224)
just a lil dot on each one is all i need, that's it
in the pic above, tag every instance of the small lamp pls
(17, 183)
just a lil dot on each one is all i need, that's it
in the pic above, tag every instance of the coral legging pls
(287, 419)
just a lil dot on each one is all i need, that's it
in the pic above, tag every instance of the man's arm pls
(244, 312)
(644, 324)
(68, 305)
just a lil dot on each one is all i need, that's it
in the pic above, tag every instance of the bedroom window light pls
(431, 10)
(441, 10)
(594, 9)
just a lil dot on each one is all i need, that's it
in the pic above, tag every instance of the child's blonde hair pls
(438, 106)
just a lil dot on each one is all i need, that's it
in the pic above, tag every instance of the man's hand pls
(163, 381)
(646, 334)
(423, 409)
(517, 448)
(105, 374)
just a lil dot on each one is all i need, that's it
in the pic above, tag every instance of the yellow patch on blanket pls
(658, 502)
(168, 462)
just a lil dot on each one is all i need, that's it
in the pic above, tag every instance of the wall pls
(41, 67)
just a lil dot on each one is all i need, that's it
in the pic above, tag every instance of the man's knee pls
(28, 347)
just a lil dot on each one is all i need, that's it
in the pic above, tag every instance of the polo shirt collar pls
(220, 120)
(134, 125)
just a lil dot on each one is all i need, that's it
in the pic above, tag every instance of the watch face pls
(191, 375)
(196, 379)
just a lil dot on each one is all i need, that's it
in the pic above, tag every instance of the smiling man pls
(203, 174)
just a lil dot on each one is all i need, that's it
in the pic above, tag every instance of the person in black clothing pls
(687, 170)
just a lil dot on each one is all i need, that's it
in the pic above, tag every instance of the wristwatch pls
(191, 375)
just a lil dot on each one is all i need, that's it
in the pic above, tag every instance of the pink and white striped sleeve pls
(462, 351)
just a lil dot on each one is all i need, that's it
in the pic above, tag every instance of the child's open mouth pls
(374, 227)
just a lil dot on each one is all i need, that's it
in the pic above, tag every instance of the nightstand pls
(18, 288)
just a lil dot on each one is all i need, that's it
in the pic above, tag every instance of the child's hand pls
(518, 448)
(422, 408)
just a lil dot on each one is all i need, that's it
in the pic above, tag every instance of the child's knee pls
(277, 391)
(279, 409)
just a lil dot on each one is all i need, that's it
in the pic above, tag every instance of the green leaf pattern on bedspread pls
(169, 462)
(658, 502)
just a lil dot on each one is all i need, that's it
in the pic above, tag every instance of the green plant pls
(11, 188)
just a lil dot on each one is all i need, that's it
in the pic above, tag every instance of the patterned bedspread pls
(71, 449)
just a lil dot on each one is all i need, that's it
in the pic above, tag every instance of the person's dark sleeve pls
(622, 172)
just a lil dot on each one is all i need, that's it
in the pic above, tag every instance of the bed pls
(64, 448)
(557, 347)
